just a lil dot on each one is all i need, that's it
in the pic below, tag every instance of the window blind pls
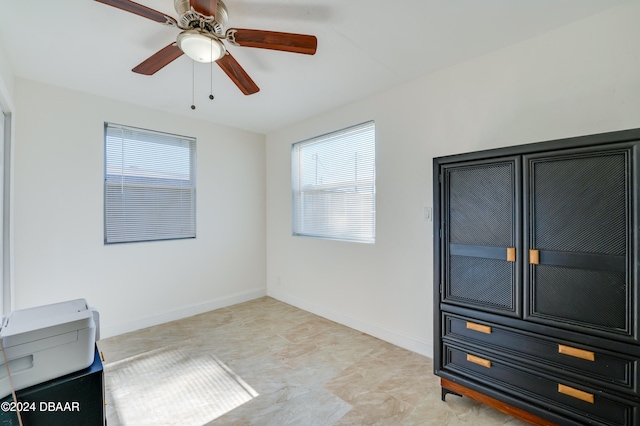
(149, 185)
(334, 185)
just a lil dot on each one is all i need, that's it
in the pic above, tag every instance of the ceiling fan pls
(203, 25)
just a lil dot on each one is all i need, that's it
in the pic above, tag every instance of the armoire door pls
(480, 205)
(579, 214)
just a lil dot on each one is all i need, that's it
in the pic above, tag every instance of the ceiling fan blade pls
(159, 60)
(205, 7)
(287, 42)
(237, 74)
(140, 10)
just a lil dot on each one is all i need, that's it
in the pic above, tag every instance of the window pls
(334, 185)
(149, 185)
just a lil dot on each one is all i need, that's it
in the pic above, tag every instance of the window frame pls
(156, 182)
(353, 230)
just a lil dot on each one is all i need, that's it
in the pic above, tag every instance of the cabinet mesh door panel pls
(480, 213)
(583, 296)
(580, 210)
(481, 281)
(481, 205)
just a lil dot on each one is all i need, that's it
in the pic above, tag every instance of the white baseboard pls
(407, 342)
(184, 312)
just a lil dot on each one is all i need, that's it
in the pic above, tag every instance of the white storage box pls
(46, 342)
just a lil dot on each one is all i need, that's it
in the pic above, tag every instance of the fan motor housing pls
(189, 18)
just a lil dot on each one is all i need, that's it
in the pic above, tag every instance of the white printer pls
(46, 342)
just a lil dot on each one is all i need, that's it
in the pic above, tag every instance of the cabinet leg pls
(446, 391)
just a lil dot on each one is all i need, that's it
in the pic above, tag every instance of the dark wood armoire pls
(536, 278)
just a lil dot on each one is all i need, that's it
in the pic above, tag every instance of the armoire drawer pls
(603, 368)
(550, 392)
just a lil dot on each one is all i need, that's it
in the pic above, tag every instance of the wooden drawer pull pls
(511, 254)
(575, 352)
(480, 361)
(534, 257)
(479, 327)
(575, 393)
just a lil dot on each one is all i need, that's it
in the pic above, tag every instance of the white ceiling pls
(364, 47)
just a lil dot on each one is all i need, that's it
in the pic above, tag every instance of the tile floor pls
(291, 367)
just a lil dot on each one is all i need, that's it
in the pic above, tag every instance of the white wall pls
(580, 79)
(6, 81)
(59, 249)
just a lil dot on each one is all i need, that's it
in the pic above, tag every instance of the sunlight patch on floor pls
(167, 386)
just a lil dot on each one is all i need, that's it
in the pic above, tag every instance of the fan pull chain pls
(193, 85)
(211, 92)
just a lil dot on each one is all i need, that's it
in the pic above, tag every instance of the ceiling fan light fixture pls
(200, 46)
